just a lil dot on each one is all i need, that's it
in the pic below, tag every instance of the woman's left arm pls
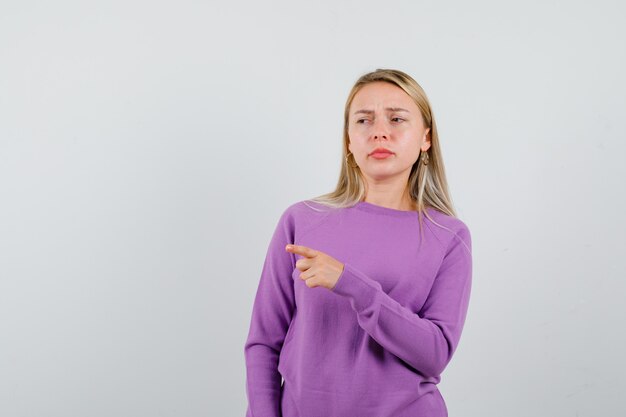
(427, 340)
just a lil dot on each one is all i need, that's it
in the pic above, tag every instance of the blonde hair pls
(427, 184)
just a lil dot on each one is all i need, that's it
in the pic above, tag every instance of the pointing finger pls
(301, 250)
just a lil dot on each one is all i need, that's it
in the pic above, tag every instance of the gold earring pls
(348, 163)
(425, 158)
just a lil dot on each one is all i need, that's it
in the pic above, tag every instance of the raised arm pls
(425, 340)
(271, 315)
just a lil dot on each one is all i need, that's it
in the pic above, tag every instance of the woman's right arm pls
(272, 311)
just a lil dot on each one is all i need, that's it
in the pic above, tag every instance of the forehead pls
(382, 94)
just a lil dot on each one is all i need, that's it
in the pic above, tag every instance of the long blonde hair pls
(427, 184)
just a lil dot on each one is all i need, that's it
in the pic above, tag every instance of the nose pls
(380, 131)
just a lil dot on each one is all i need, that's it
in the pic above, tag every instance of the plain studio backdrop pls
(147, 150)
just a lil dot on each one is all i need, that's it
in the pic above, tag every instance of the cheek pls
(354, 132)
(410, 147)
(357, 137)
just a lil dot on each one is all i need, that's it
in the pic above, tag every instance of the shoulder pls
(306, 208)
(449, 230)
(304, 214)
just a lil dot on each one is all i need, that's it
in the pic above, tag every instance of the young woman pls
(364, 291)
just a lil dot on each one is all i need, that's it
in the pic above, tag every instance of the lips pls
(381, 151)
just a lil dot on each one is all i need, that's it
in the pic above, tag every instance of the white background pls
(147, 149)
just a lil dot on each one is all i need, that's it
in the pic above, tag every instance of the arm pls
(427, 340)
(271, 315)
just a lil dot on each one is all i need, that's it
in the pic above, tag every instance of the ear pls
(426, 144)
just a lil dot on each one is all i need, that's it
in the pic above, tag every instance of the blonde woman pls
(364, 291)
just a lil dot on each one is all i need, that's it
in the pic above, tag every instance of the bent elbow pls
(442, 352)
(434, 368)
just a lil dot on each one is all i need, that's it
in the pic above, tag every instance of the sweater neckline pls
(374, 208)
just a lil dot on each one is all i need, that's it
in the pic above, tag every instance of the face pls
(382, 115)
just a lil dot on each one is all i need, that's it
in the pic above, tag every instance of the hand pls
(318, 269)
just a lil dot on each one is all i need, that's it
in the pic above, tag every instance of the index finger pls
(301, 250)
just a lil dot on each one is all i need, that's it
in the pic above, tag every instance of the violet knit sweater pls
(376, 344)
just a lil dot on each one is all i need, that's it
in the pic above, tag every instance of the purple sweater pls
(377, 343)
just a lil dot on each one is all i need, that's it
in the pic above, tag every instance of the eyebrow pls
(393, 109)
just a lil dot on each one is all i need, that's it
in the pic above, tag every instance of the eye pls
(398, 119)
(361, 120)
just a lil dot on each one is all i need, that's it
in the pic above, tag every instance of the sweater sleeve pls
(425, 340)
(272, 311)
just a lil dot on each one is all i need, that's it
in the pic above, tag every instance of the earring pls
(348, 163)
(425, 158)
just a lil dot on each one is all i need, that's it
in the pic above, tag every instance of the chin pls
(381, 173)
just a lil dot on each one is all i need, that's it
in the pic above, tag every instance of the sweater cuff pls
(360, 289)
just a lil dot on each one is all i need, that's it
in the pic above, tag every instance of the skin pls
(318, 268)
(402, 132)
(371, 125)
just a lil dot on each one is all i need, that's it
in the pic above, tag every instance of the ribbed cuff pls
(360, 289)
